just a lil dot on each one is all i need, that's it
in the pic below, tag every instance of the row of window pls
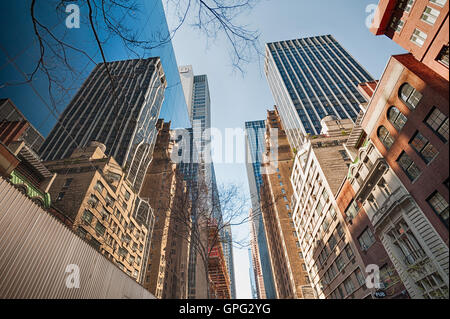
(348, 286)
(436, 121)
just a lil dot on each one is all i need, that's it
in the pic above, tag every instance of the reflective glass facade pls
(311, 78)
(151, 23)
(255, 148)
(125, 121)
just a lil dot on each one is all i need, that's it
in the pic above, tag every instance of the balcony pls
(398, 196)
(376, 172)
(30, 190)
(415, 257)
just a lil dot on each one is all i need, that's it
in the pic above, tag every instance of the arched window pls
(385, 137)
(397, 119)
(409, 95)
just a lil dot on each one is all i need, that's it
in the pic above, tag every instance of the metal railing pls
(31, 190)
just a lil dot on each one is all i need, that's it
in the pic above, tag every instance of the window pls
(409, 167)
(409, 95)
(93, 201)
(336, 294)
(373, 202)
(405, 5)
(418, 37)
(360, 277)
(366, 239)
(81, 232)
(285, 198)
(349, 286)
(340, 230)
(349, 252)
(122, 252)
(105, 214)
(87, 216)
(344, 155)
(438, 122)
(397, 119)
(387, 276)
(423, 147)
(443, 55)
(352, 209)
(67, 182)
(384, 187)
(385, 137)
(440, 206)
(340, 263)
(60, 196)
(99, 187)
(406, 246)
(100, 229)
(439, 3)
(430, 15)
(332, 242)
(109, 200)
(126, 194)
(397, 24)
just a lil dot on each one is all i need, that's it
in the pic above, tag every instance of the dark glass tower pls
(311, 78)
(255, 148)
(121, 114)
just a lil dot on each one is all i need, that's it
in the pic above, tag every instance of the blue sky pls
(236, 97)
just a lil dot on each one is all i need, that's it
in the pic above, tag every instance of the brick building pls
(91, 189)
(286, 258)
(420, 27)
(407, 124)
(165, 189)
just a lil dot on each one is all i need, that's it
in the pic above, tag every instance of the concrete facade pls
(336, 271)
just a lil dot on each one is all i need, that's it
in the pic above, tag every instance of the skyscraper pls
(198, 101)
(251, 272)
(121, 114)
(311, 78)
(255, 148)
(197, 96)
(286, 257)
(227, 243)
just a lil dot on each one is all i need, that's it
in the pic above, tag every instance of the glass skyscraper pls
(311, 78)
(251, 273)
(255, 148)
(122, 115)
(227, 244)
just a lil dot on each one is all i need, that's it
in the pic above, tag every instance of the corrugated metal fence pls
(38, 255)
